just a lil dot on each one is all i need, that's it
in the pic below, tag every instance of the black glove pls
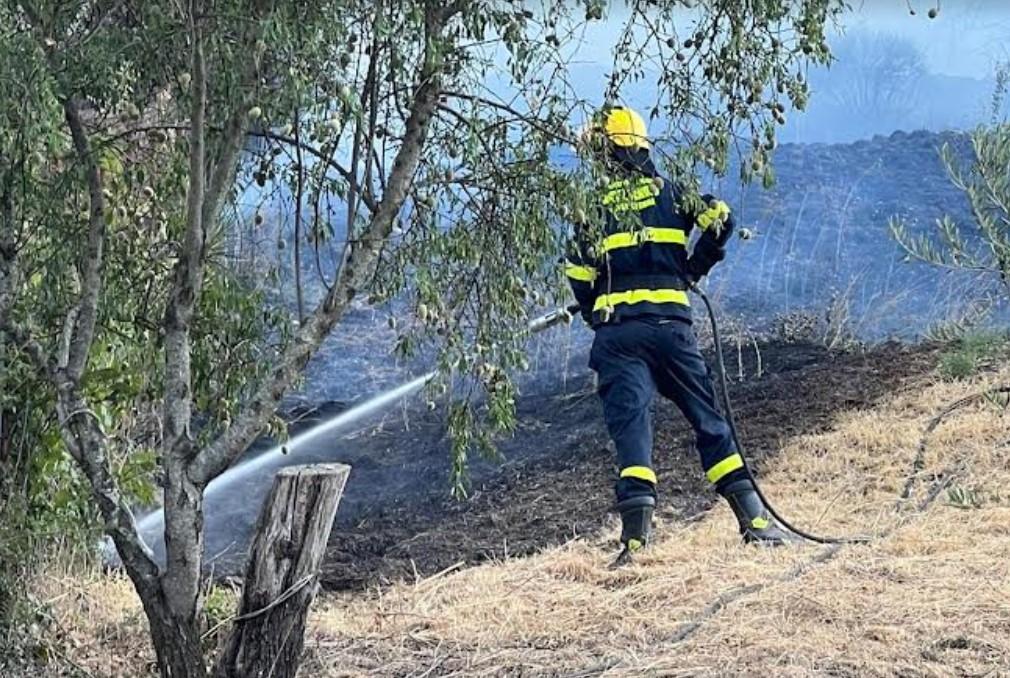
(707, 253)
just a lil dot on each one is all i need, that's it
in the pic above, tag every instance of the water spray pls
(154, 521)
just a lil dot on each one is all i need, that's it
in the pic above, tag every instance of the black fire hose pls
(728, 407)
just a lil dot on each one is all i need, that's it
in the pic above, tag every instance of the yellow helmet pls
(625, 128)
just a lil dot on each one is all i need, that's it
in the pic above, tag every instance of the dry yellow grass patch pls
(95, 622)
(930, 596)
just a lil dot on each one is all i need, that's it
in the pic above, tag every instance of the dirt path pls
(557, 482)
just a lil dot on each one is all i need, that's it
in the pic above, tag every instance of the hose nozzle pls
(555, 317)
(549, 320)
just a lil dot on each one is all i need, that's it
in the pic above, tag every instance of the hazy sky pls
(965, 39)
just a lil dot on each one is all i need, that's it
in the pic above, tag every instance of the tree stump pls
(282, 575)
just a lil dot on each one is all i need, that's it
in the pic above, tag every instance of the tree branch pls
(91, 261)
(361, 263)
(87, 443)
(370, 202)
(526, 118)
(7, 239)
(82, 434)
(78, 427)
(189, 268)
(223, 176)
(204, 199)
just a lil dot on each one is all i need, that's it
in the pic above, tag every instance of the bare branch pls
(189, 268)
(299, 207)
(525, 118)
(371, 92)
(226, 164)
(183, 538)
(370, 202)
(66, 336)
(7, 239)
(82, 434)
(204, 199)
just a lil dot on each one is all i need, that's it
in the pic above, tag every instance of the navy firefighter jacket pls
(639, 264)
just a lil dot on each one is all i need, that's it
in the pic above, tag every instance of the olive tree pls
(432, 123)
(978, 168)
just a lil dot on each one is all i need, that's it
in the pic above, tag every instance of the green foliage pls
(218, 608)
(970, 320)
(218, 605)
(958, 365)
(733, 73)
(973, 352)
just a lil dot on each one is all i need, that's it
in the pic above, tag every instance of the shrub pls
(973, 352)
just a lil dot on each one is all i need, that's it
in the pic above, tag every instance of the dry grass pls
(93, 624)
(930, 596)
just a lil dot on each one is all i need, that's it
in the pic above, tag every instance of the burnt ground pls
(396, 520)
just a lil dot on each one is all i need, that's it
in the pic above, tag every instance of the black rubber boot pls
(756, 524)
(636, 526)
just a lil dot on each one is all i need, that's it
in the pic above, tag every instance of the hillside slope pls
(823, 235)
(557, 482)
(929, 596)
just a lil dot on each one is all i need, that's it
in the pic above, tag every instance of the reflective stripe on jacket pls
(639, 265)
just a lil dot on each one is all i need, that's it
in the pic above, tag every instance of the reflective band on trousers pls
(724, 467)
(581, 273)
(640, 472)
(649, 234)
(641, 296)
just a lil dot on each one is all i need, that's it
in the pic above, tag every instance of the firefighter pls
(631, 283)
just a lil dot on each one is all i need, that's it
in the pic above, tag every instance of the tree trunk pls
(281, 577)
(176, 642)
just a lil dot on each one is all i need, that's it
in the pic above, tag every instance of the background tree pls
(873, 78)
(433, 124)
(978, 167)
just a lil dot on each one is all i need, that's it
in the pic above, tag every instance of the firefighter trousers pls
(638, 356)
